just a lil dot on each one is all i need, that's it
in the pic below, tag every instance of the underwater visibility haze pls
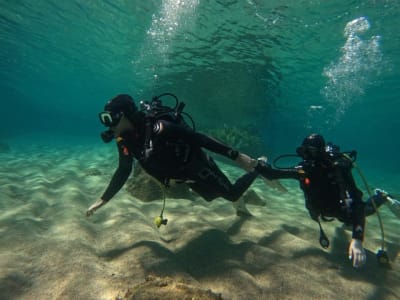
(282, 68)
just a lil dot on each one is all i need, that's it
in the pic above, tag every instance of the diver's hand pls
(95, 206)
(357, 253)
(246, 162)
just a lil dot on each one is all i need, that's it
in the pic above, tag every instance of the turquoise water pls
(283, 68)
(272, 70)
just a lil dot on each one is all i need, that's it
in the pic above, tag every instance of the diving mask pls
(110, 119)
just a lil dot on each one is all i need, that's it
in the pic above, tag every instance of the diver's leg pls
(391, 203)
(238, 189)
(229, 191)
(211, 182)
(376, 199)
(210, 176)
(241, 185)
(382, 197)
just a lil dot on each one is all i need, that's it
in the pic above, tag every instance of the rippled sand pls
(50, 250)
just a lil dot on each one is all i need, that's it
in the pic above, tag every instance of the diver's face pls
(310, 153)
(123, 125)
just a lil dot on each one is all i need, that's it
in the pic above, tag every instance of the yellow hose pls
(372, 200)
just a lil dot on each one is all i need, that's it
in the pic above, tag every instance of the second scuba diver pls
(325, 176)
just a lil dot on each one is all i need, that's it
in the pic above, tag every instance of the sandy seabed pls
(50, 250)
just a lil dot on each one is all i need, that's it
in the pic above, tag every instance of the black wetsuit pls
(175, 152)
(329, 190)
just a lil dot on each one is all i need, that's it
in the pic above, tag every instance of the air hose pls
(382, 256)
(160, 219)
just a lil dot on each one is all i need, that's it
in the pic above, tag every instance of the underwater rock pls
(238, 138)
(4, 147)
(166, 288)
(93, 172)
(146, 188)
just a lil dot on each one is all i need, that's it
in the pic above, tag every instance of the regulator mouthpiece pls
(107, 136)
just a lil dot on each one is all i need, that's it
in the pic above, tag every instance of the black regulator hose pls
(274, 162)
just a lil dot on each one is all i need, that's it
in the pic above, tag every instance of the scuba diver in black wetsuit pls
(325, 176)
(167, 148)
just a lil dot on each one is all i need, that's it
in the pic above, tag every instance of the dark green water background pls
(279, 69)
